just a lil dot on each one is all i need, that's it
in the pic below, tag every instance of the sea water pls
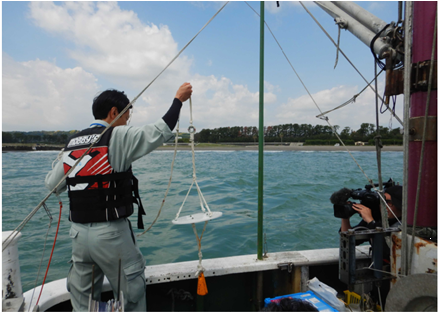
(297, 212)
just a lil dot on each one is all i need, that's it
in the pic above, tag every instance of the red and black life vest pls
(96, 192)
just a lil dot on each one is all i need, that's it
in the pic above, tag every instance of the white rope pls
(200, 268)
(179, 211)
(203, 202)
(203, 199)
(199, 197)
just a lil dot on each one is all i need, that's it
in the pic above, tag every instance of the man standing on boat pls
(102, 190)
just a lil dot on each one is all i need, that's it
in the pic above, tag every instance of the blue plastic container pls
(321, 305)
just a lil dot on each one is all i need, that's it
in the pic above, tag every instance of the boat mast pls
(424, 14)
(422, 146)
(261, 135)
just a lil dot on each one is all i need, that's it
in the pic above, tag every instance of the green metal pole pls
(261, 137)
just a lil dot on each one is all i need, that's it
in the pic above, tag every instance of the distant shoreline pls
(212, 147)
(282, 148)
(15, 147)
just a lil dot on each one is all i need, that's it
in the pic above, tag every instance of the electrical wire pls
(51, 253)
(42, 258)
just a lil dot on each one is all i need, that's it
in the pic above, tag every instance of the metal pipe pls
(399, 12)
(356, 28)
(11, 277)
(408, 29)
(261, 136)
(378, 145)
(363, 16)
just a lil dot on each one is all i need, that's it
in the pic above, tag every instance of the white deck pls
(56, 291)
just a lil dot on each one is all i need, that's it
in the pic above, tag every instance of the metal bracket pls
(286, 266)
(416, 127)
(419, 78)
(394, 82)
(349, 273)
(343, 24)
(420, 73)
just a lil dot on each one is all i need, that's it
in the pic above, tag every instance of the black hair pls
(396, 193)
(290, 305)
(103, 103)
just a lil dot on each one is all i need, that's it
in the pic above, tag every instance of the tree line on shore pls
(306, 133)
(37, 137)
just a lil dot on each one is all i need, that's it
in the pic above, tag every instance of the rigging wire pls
(326, 118)
(352, 100)
(341, 51)
(32, 213)
(378, 146)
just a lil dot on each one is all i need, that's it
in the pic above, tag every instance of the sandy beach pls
(280, 148)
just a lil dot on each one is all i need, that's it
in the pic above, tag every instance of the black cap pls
(396, 193)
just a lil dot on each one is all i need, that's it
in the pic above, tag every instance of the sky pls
(58, 56)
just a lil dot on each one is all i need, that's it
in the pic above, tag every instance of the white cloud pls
(38, 95)
(115, 44)
(110, 41)
(216, 102)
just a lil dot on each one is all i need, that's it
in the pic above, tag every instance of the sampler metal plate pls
(196, 218)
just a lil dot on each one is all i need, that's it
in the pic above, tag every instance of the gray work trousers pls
(102, 245)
